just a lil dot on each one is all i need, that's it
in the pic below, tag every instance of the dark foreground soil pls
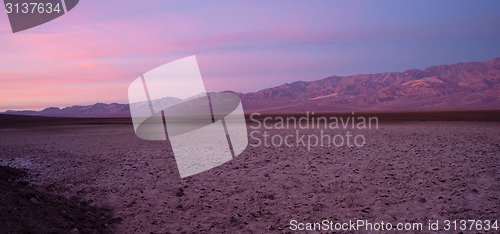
(29, 209)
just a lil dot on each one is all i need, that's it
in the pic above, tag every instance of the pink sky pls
(92, 53)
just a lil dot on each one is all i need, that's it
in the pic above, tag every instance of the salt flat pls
(406, 172)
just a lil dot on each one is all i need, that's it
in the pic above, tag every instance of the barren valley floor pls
(406, 172)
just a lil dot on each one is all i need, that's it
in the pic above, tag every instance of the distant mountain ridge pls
(471, 85)
(96, 110)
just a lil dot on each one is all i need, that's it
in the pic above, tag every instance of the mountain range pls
(471, 85)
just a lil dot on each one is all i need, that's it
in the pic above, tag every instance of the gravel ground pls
(406, 172)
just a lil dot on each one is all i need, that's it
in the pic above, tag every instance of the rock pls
(81, 191)
(89, 208)
(34, 201)
(106, 207)
(74, 231)
(316, 208)
(180, 193)
(116, 220)
(366, 210)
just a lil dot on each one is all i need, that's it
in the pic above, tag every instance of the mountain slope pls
(473, 85)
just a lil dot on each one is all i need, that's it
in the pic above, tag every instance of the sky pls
(92, 53)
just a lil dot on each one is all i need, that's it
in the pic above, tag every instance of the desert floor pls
(406, 172)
